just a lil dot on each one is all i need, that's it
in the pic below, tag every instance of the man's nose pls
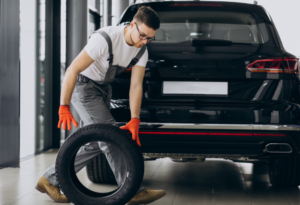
(145, 41)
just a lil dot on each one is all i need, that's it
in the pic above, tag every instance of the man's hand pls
(133, 126)
(65, 116)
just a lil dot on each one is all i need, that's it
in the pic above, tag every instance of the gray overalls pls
(92, 102)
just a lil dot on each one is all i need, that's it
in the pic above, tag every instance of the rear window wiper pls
(197, 42)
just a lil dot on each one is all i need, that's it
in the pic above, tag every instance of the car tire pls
(285, 171)
(70, 184)
(99, 171)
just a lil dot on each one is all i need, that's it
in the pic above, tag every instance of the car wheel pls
(67, 178)
(99, 171)
(284, 171)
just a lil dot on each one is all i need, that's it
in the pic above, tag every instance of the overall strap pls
(137, 57)
(108, 40)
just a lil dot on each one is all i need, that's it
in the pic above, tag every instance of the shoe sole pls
(148, 201)
(37, 187)
(43, 191)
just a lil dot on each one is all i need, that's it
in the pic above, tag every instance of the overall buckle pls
(111, 58)
(133, 62)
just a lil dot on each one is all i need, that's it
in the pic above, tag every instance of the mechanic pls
(109, 51)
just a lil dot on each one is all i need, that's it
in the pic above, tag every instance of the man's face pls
(141, 34)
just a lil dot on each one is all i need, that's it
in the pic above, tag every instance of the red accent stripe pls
(212, 133)
(271, 135)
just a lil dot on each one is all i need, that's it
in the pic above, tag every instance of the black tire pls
(284, 171)
(66, 176)
(99, 171)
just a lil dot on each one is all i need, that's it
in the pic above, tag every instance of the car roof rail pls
(255, 2)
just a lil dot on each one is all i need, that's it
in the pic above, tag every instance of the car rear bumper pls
(206, 140)
(202, 126)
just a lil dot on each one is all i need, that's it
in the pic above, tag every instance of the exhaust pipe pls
(278, 148)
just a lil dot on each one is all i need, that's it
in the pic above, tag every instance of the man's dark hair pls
(148, 16)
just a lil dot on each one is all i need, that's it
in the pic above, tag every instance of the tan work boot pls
(45, 186)
(147, 196)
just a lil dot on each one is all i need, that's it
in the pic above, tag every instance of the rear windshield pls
(178, 26)
(184, 25)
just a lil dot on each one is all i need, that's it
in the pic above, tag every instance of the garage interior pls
(37, 36)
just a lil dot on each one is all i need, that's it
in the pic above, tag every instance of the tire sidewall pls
(107, 133)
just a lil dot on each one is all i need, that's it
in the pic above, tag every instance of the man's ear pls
(132, 23)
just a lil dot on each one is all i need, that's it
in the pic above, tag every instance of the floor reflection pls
(217, 182)
(214, 182)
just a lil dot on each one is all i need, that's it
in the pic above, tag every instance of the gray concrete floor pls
(214, 182)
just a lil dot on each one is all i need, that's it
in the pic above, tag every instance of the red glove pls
(133, 126)
(65, 116)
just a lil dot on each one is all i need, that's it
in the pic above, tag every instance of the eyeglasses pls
(143, 37)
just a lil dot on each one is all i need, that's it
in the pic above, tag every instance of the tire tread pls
(117, 136)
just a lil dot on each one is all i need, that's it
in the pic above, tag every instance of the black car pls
(218, 84)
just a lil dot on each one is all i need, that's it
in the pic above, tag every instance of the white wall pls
(27, 77)
(286, 17)
(118, 7)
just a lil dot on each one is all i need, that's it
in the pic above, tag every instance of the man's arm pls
(136, 90)
(135, 101)
(79, 64)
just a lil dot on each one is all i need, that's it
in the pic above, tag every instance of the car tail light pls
(290, 65)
